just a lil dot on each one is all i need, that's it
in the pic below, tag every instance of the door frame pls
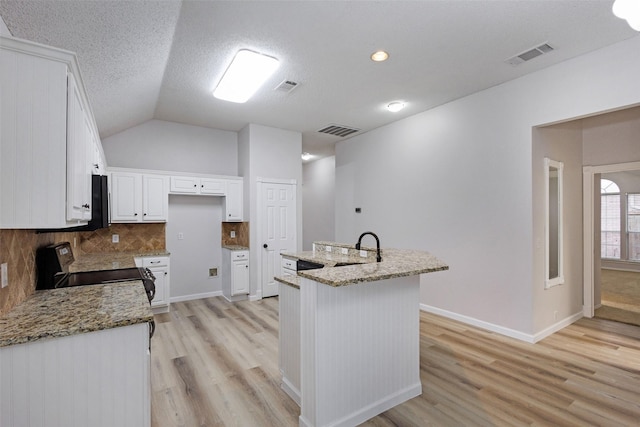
(260, 181)
(588, 176)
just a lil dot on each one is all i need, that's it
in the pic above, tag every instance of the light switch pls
(115, 238)
(5, 275)
(180, 236)
(233, 234)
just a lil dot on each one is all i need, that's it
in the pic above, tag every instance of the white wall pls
(169, 146)
(266, 152)
(612, 138)
(318, 199)
(199, 219)
(457, 181)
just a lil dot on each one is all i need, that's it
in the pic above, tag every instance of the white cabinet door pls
(233, 201)
(155, 200)
(213, 186)
(184, 184)
(78, 168)
(126, 197)
(240, 278)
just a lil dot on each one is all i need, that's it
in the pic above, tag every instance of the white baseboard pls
(501, 329)
(196, 296)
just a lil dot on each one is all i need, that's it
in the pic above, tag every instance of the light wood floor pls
(216, 364)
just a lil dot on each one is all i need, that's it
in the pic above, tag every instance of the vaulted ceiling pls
(145, 60)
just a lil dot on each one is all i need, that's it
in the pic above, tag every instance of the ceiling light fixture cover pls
(306, 156)
(395, 106)
(379, 56)
(246, 73)
(629, 10)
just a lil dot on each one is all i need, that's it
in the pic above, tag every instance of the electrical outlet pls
(328, 248)
(5, 275)
(213, 272)
(345, 251)
(115, 238)
(363, 254)
(233, 234)
(180, 236)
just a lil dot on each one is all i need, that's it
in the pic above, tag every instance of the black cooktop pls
(97, 277)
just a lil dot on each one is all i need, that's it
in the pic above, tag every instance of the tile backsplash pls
(18, 250)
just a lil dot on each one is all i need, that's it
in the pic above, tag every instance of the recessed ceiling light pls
(379, 56)
(395, 106)
(307, 156)
(245, 75)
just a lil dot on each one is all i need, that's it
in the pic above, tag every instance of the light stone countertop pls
(69, 311)
(235, 247)
(109, 260)
(395, 263)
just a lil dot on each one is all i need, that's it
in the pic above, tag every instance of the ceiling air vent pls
(529, 54)
(286, 86)
(338, 130)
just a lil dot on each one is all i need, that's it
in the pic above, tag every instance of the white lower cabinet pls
(159, 266)
(97, 379)
(235, 274)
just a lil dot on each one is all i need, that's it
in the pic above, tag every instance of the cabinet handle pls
(154, 262)
(246, 266)
(165, 273)
(194, 185)
(86, 206)
(144, 214)
(95, 165)
(135, 214)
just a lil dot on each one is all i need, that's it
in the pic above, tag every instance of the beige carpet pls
(620, 297)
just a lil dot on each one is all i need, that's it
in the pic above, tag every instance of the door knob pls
(265, 246)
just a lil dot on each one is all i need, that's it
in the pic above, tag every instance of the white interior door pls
(277, 212)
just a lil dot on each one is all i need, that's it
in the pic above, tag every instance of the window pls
(633, 226)
(610, 219)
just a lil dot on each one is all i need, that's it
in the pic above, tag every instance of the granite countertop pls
(235, 247)
(293, 281)
(69, 311)
(109, 260)
(395, 263)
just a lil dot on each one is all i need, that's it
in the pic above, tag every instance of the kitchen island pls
(349, 337)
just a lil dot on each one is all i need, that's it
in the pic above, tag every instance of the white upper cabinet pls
(198, 185)
(46, 128)
(233, 210)
(137, 197)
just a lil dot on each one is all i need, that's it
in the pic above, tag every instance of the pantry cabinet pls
(137, 197)
(46, 132)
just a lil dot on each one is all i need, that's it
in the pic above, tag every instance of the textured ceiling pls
(161, 59)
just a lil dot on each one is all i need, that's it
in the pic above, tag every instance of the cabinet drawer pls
(154, 261)
(239, 255)
(289, 264)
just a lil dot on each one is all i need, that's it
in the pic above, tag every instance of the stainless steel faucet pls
(379, 257)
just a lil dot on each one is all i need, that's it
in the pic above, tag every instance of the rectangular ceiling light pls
(246, 73)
